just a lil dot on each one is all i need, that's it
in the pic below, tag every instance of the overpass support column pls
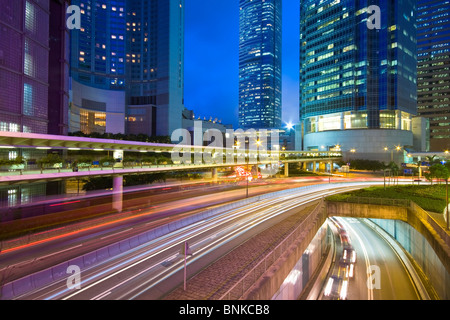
(214, 174)
(322, 166)
(314, 167)
(302, 166)
(286, 170)
(118, 193)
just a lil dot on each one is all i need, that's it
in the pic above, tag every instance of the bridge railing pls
(238, 290)
(25, 170)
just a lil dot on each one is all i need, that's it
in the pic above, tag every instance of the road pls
(67, 242)
(379, 274)
(24, 256)
(155, 268)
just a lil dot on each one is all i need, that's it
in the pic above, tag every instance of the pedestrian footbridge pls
(31, 148)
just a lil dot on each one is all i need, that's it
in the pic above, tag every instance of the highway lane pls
(153, 266)
(379, 274)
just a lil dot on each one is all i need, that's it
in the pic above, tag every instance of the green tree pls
(107, 161)
(439, 171)
(433, 160)
(85, 159)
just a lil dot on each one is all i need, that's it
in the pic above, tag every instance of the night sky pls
(212, 59)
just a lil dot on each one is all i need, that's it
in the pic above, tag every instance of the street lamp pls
(335, 148)
(396, 148)
(246, 175)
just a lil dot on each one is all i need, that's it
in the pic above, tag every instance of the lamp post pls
(247, 155)
(336, 148)
(246, 175)
(398, 149)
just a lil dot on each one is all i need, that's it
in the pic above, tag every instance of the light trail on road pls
(141, 270)
(379, 275)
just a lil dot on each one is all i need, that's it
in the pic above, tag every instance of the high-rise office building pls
(24, 65)
(98, 55)
(433, 45)
(260, 94)
(155, 66)
(59, 65)
(358, 84)
(128, 67)
(33, 82)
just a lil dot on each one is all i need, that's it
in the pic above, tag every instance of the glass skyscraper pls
(98, 58)
(98, 67)
(155, 66)
(33, 66)
(24, 64)
(260, 94)
(128, 67)
(358, 85)
(34, 63)
(433, 42)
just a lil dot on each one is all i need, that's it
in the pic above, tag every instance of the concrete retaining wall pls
(356, 210)
(422, 253)
(305, 268)
(417, 232)
(426, 240)
(271, 282)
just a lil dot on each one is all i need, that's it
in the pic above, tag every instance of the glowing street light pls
(290, 126)
(396, 148)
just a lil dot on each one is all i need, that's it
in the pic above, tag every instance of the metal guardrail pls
(239, 289)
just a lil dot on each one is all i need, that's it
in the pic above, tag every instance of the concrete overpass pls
(13, 144)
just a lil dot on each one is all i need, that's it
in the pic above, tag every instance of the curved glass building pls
(260, 64)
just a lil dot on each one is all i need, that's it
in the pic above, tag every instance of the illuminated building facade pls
(128, 67)
(33, 45)
(358, 86)
(433, 45)
(155, 66)
(98, 68)
(260, 92)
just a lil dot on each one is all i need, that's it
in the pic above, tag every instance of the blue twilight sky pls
(212, 59)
